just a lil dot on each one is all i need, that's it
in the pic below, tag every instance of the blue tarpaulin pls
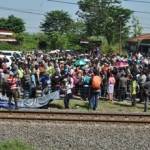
(38, 102)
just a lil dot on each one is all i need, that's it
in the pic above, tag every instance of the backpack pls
(86, 80)
(27, 80)
(96, 82)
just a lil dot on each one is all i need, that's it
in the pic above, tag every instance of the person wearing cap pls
(12, 85)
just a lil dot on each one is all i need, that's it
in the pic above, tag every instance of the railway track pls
(75, 117)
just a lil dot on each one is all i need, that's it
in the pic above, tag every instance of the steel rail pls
(75, 117)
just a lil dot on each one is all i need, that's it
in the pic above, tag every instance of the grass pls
(103, 106)
(14, 145)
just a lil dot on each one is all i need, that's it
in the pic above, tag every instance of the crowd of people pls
(114, 77)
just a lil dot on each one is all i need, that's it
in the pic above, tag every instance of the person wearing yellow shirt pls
(134, 87)
(20, 73)
(50, 69)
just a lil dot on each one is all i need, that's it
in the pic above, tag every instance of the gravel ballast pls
(77, 136)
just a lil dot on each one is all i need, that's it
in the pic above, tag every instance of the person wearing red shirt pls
(12, 84)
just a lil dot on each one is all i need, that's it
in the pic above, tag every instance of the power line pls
(42, 14)
(21, 11)
(63, 2)
(142, 12)
(71, 3)
(137, 1)
(144, 27)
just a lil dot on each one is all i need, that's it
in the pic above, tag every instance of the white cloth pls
(111, 88)
(68, 88)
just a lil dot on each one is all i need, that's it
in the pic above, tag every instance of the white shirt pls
(68, 88)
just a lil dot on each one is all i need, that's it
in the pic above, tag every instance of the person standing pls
(26, 83)
(20, 73)
(104, 84)
(134, 87)
(122, 87)
(146, 88)
(4, 76)
(95, 90)
(111, 84)
(141, 80)
(12, 84)
(68, 93)
(86, 85)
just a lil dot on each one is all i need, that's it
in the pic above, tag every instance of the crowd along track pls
(75, 117)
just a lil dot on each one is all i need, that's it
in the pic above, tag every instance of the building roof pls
(8, 40)
(140, 38)
(6, 32)
(7, 36)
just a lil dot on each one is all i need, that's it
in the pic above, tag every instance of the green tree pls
(12, 23)
(105, 18)
(76, 33)
(69, 40)
(78, 27)
(62, 31)
(15, 24)
(137, 28)
(42, 41)
(25, 42)
(3, 23)
(56, 40)
(29, 42)
(56, 21)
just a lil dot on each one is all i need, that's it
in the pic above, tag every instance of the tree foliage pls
(42, 40)
(98, 19)
(12, 23)
(56, 21)
(62, 31)
(137, 28)
(105, 18)
(27, 42)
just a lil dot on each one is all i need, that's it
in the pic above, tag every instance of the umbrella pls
(80, 62)
(86, 60)
(121, 65)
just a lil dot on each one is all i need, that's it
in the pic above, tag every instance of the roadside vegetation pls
(14, 145)
(108, 24)
(104, 106)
